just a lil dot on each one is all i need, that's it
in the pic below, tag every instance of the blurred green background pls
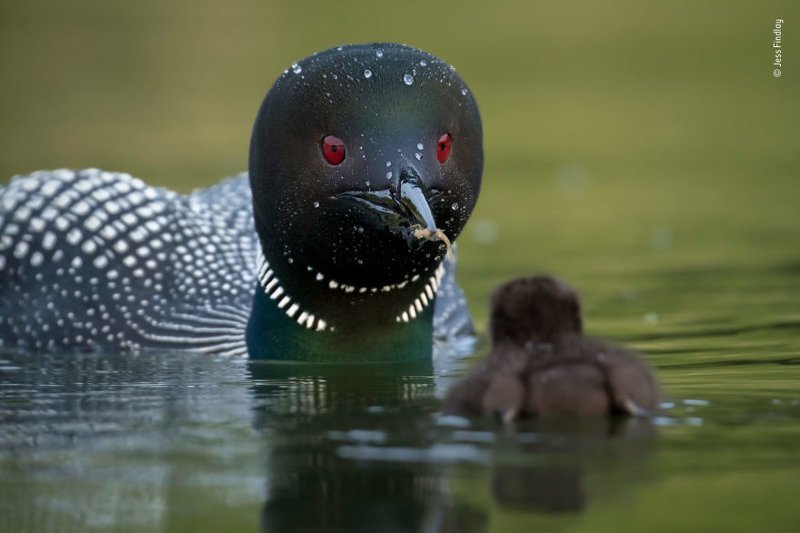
(621, 137)
(642, 150)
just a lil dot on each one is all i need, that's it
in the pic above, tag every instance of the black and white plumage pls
(101, 260)
(365, 161)
(94, 260)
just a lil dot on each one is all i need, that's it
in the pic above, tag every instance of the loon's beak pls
(405, 210)
(413, 199)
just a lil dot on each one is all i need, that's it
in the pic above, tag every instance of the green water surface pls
(644, 152)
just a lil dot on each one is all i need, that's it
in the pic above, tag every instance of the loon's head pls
(355, 152)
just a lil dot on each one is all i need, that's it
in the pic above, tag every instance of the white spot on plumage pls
(80, 208)
(63, 201)
(108, 232)
(37, 259)
(50, 188)
(135, 198)
(89, 247)
(22, 214)
(92, 223)
(74, 236)
(61, 223)
(139, 234)
(101, 195)
(49, 214)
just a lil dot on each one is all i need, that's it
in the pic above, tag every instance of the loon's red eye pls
(443, 146)
(333, 149)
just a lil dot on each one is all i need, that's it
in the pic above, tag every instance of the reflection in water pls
(185, 443)
(366, 455)
(313, 486)
(549, 489)
(94, 442)
(565, 449)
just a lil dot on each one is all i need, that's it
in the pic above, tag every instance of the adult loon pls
(364, 160)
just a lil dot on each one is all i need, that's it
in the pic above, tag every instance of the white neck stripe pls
(271, 286)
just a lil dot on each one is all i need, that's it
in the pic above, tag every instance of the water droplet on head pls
(423, 63)
(338, 48)
(408, 79)
(367, 73)
(360, 229)
(297, 69)
(464, 92)
(368, 183)
(455, 206)
(389, 175)
(420, 146)
(316, 204)
(418, 156)
(388, 164)
(379, 53)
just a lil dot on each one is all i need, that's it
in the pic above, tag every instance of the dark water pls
(188, 443)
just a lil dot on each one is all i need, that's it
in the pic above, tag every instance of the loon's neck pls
(318, 319)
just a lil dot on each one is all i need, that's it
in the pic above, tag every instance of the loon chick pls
(365, 160)
(542, 365)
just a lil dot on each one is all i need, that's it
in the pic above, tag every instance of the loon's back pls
(101, 260)
(93, 260)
